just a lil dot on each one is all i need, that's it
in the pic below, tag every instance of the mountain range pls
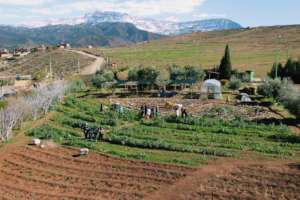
(103, 29)
(150, 25)
(102, 34)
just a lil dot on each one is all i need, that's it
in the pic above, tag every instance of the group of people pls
(92, 133)
(149, 112)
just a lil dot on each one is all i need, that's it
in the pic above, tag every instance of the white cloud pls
(133, 7)
(23, 2)
(52, 9)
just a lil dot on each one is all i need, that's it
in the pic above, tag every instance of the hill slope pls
(104, 34)
(250, 49)
(64, 63)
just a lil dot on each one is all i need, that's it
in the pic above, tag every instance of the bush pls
(76, 86)
(224, 82)
(47, 132)
(270, 88)
(100, 79)
(39, 76)
(234, 83)
(290, 98)
(3, 104)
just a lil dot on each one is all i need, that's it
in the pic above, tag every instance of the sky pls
(246, 12)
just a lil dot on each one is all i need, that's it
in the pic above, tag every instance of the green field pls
(166, 139)
(253, 49)
(63, 63)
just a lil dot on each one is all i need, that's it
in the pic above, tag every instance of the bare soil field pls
(33, 173)
(29, 172)
(238, 181)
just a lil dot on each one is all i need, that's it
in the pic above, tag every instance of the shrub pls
(100, 79)
(234, 83)
(3, 104)
(46, 132)
(270, 88)
(224, 82)
(290, 98)
(76, 86)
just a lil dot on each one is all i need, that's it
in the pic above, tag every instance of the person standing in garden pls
(148, 113)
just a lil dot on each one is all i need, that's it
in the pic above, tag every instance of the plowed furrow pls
(268, 180)
(21, 160)
(207, 195)
(64, 189)
(70, 165)
(246, 181)
(111, 159)
(73, 180)
(118, 167)
(268, 173)
(13, 191)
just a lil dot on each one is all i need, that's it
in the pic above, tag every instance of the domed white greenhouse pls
(212, 88)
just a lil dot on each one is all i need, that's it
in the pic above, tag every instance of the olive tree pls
(163, 79)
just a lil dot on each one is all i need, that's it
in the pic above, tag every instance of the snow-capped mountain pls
(150, 25)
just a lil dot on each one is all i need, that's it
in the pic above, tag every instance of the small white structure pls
(212, 88)
(245, 98)
(36, 142)
(84, 151)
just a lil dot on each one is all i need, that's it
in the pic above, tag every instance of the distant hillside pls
(250, 49)
(104, 34)
(64, 63)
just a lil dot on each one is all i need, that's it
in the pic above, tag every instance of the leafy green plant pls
(234, 83)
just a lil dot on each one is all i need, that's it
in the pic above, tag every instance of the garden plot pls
(188, 141)
(199, 107)
(166, 105)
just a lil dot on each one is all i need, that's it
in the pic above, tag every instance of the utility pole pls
(50, 69)
(78, 65)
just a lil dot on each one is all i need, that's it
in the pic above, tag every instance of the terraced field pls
(34, 173)
(164, 158)
(222, 131)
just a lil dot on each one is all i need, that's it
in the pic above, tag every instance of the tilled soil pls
(192, 105)
(238, 181)
(33, 173)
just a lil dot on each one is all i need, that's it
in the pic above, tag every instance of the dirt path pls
(92, 68)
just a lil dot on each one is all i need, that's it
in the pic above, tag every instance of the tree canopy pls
(225, 67)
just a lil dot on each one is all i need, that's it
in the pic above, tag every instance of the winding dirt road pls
(92, 68)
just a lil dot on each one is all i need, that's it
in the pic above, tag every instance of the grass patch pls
(252, 49)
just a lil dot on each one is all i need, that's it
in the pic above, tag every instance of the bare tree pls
(35, 105)
(9, 118)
